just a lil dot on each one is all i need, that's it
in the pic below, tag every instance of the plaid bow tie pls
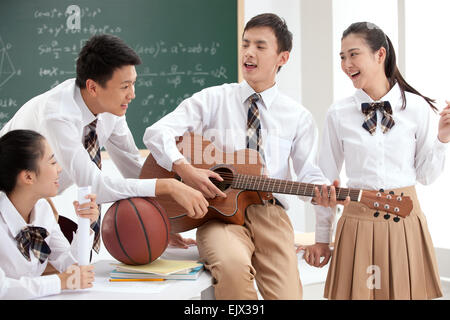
(254, 140)
(370, 120)
(93, 148)
(33, 237)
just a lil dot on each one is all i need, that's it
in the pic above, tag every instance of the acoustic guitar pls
(245, 184)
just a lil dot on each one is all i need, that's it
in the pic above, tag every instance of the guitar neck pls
(263, 184)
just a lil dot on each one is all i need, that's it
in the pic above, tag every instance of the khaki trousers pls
(261, 250)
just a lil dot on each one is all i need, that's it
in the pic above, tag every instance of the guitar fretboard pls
(258, 183)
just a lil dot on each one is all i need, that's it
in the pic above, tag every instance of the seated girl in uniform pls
(30, 236)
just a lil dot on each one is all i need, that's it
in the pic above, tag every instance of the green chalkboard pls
(185, 45)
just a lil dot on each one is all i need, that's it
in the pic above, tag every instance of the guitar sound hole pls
(227, 176)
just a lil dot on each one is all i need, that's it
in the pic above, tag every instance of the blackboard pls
(185, 45)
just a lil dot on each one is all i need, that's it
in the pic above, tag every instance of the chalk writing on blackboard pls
(40, 46)
(7, 68)
(57, 13)
(161, 47)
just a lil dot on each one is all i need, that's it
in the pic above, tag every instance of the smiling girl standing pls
(383, 135)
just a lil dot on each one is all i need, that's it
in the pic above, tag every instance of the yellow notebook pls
(160, 266)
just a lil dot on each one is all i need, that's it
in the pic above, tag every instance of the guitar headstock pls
(398, 205)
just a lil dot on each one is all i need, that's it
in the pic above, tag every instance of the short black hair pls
(19, 150)
(278, 26)
(101, 56)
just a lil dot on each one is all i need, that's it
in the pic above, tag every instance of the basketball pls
(135, 231)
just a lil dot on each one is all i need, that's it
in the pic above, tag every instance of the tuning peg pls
(381, 190)
(401, 194)
(387, 216)
(396, 219)
(376, 214)
(391, 192)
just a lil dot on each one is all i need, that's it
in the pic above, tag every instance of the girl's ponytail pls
(394, 76)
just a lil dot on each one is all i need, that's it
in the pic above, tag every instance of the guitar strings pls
(243, 181)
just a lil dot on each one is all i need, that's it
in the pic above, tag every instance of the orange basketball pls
(136, 230)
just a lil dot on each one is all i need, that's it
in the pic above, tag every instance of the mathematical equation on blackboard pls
(172, 69)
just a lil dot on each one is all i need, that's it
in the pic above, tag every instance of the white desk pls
(200, 288)
(170, 289)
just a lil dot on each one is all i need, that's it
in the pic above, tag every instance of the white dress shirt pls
(20, 278)
(220, 114)
(410, 151)
(61, 116)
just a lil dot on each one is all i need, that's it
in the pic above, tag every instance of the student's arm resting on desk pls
(41, 286)
(28, 287)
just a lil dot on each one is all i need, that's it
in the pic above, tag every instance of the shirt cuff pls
(166, 156)
(175, 156)
(324, 224)
(52, 285)
(323, 235)
(441, 146)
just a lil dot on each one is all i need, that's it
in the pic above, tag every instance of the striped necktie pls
(92, 146)
(370, 112)
(254, 140)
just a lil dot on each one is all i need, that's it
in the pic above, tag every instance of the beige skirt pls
(375, 258)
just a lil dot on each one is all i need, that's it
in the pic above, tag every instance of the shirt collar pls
(267, 96)
(393, 96)
(86, 115)
(12, 217)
